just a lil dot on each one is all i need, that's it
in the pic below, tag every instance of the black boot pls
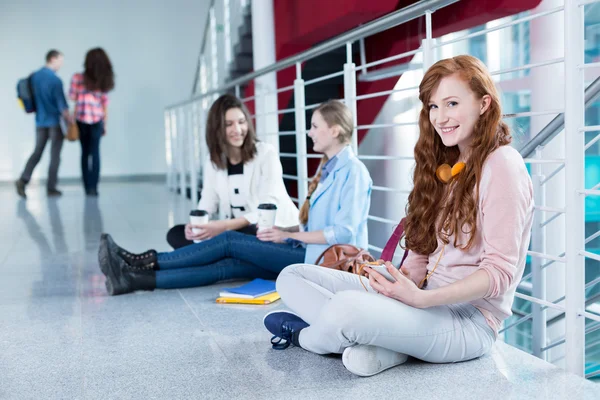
(121, 277)
(142, 261)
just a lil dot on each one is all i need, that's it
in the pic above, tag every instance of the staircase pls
(316, 93)
(242, 62)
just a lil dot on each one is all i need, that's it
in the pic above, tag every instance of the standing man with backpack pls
(50, 105)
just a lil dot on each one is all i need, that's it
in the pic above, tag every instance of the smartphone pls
(382, 269)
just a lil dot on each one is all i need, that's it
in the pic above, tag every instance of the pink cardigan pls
(504, 222)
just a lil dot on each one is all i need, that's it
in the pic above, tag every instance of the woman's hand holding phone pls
(402, 288)
(381, 269)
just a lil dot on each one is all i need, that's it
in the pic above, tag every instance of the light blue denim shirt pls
(328, 168)
(340, 205)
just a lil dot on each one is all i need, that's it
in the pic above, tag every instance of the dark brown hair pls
(52, 54)
(216, 136)
(98, 74)
(431, 212)
(334, 112)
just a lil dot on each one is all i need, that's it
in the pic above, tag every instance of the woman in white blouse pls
(240, 174)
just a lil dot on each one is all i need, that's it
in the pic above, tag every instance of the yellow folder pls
(266, 299)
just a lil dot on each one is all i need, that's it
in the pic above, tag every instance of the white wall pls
(153, 45)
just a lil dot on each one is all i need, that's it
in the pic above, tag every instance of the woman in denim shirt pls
(335, 212)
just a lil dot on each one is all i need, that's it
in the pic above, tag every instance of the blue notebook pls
(256, 288)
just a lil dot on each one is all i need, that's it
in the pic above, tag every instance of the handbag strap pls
(390, 247)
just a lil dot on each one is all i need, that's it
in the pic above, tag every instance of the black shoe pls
(92, 193)
(54, 193)
(20, 184)
(121, 278)
(140, 262)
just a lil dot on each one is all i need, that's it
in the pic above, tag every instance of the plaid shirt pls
(89, 105)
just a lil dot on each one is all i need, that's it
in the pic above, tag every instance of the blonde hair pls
(334, 112)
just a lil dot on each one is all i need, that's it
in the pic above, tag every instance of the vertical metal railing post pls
(175, 151)
(300, 119)
(574, 177)
(169, 151)
(538, 274)
(202, 147)
(181, 138)
(427, 44)
(350, 93)
(363, 55)
(193, 153)
(214, 49)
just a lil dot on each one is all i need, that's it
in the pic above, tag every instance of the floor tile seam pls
(202, 323)
(191, 308)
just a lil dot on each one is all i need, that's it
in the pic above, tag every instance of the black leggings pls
(176, 235)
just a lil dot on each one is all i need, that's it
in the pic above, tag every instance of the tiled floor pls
(62, 337)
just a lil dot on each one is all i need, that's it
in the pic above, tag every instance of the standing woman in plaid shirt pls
(89, 91)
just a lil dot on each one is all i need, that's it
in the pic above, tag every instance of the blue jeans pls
(230, 255)
(89, 136)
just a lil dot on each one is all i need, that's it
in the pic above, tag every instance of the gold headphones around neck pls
(446, 173)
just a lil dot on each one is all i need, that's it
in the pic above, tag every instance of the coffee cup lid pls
(198, 213)
(267, 206)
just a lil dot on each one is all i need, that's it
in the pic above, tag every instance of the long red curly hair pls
(431, 211)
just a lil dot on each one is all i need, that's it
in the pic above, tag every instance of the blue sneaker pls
(285, 326)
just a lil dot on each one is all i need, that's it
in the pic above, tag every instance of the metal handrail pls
(406, 14)
(561, 314)
(573, 90)
(558, 123)
(386, 22)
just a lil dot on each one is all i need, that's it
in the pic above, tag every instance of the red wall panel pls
(302, 24)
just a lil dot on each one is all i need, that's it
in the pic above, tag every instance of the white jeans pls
(342, 314)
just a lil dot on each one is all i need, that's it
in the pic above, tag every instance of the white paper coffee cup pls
(266, 216)
(198, 217)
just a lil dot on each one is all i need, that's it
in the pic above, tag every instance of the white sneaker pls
(365, 360)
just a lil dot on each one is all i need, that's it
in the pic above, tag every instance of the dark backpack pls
(25, 94)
